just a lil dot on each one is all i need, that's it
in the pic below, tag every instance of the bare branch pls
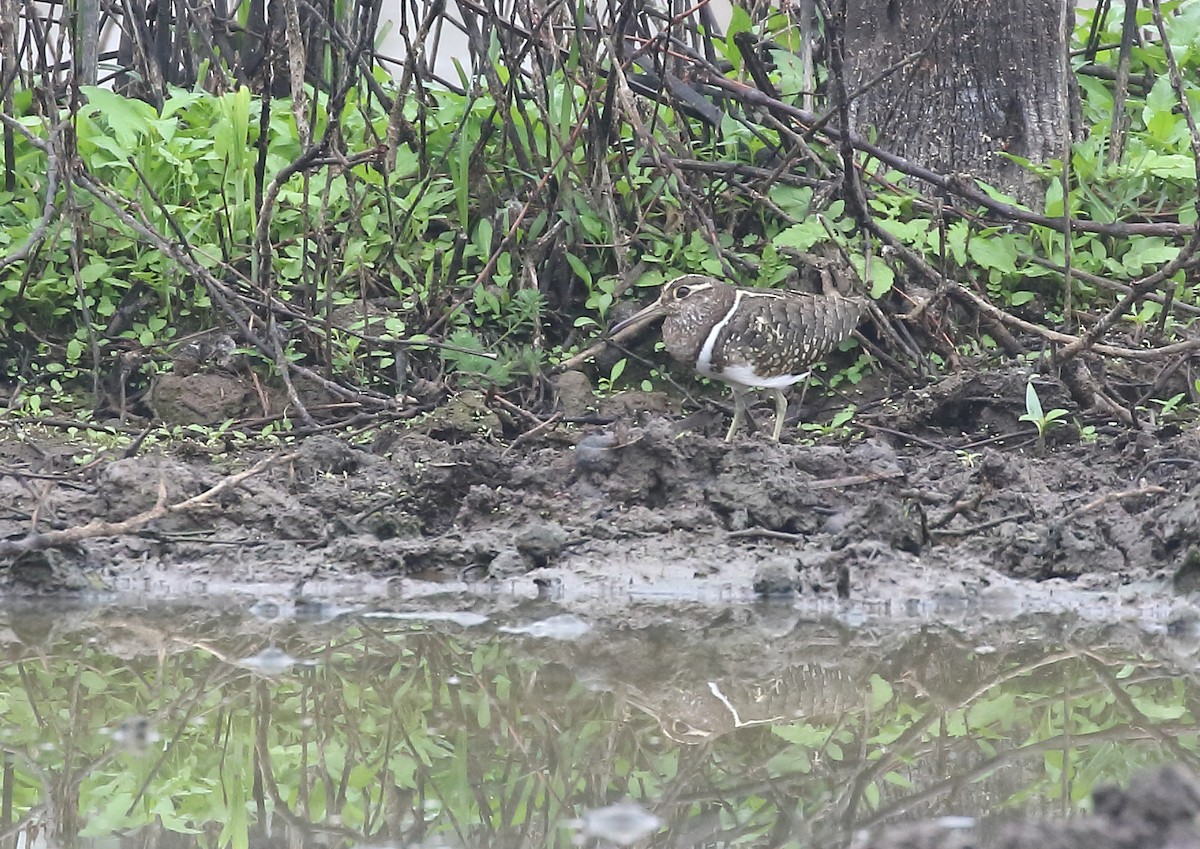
(98, 528)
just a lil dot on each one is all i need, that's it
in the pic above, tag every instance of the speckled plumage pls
(750, 338)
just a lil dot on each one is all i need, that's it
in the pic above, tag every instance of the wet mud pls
(940, 496)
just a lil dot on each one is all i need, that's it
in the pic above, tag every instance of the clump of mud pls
(907, 508)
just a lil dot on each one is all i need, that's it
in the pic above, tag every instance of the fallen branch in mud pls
(854, 480)
(982, 526)
(962, 505)
(1110, 497)
(766, 533)
(530, 434)
(53, 539)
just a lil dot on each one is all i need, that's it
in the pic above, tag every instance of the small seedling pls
(1169, 407)
(839, 425)
(1044, 421)
(606, 385)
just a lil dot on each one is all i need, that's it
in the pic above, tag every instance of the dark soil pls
(940, 497)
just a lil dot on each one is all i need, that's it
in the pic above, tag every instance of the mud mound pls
(1160, 809)
(907, 506)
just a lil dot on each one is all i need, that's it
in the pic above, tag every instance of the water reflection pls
(475, 727)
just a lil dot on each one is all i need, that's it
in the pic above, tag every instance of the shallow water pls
(503, 722)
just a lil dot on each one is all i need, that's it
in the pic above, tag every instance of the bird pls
(748, 337)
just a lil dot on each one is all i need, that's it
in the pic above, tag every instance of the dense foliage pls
(494, 237)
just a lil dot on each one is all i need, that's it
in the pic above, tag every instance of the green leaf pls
(1033, 404)
(1054, 199)
(483, 237)
(996, 252)
(580, 268)
(882, 279)
(898, 780)
(881, 693)
(802, 734)
(801, 236)
(1159, 113)
(871, 795)
(1148, 251)
(361, 776)
(95, 270)
(1156, 711)
(1170, 166)
(93, 681)
(956, 241)
(991, 711)
(739, 21)
(128, 119)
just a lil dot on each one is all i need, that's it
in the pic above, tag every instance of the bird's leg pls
(739, 409)
(781, 403)
(780, 413)
(807, 378)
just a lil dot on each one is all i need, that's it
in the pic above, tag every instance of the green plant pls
(1043, 420)
(1169, 407)
(607, 385)
(967, 458)
(838, 426)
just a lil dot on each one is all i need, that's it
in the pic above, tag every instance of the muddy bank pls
(1159, 808)
(938, 496)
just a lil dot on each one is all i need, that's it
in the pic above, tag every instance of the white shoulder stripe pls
(704, 360)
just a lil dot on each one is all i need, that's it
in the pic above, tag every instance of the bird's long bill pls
(646, 314)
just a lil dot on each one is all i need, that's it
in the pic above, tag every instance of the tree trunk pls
(984, 79)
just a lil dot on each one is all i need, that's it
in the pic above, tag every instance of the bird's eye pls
(682, 292)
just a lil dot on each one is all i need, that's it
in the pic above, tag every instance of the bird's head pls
(676, 296)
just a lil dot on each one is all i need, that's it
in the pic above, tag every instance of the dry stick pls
(990, 310)
(38, 233)
(851, 182)
(624, 96)
(518, 219)
(1168, 304)
(1120, 121)
(960, 506)
(1116, 496)
(1103, 670)
(1064, 33)
(900, 434)
(296, 68)
(97, 528)
(594, 349)
(532, 432)
(854, 480)
(1160, 380)
(275, 349)
(982, 526)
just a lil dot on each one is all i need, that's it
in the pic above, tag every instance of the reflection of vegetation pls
(416, 732)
